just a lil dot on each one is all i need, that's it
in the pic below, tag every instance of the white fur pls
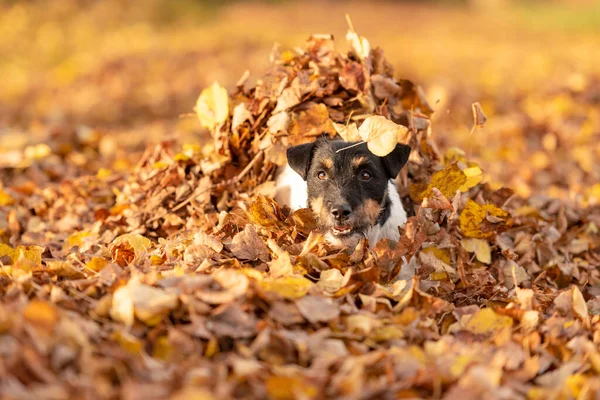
(389, 230)
(292, 191)
(290, 188)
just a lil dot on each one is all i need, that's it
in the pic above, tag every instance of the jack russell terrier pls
(350, 190)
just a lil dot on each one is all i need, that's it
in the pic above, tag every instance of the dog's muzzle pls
(341, 213)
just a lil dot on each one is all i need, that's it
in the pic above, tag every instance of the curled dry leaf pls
(437, 201)
(240, 115)
(381, 134)
(479, 117)
(129, 246)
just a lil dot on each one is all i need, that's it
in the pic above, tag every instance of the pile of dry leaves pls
(183, 278)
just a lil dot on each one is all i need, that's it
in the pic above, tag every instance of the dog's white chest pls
(397, 218)
(290, 188)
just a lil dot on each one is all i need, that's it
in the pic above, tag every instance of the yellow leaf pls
(192, 393)
(263, 211)
(487, 321)
(441, 254)
(160, 164)
(37, 152)
(381, 134)
(474, 214)
(474, 176)
(447, 181)
(148, 304)
(139, 243)
(212, 107)
(289, 387)
(6, 199)
(32, 253)
(332, 280)
(103, 173)
(460, 364)
(289, 287)
(480, 247)
(75, 239)
(348, 132)
(42, 315)
(577, 383)
(162, 349)
(287, 56)
(97, 264)
(128, 342)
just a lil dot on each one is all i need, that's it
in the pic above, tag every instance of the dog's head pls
(347, 184)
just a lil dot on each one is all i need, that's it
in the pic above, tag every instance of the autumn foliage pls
(181, 277)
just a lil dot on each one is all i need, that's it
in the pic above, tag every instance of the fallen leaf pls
(480, 247)
(240, 115)
(288, 287)
(486, 321)
(146, 303)
(479, 117)
(138, 243)
(212, 106)
(317, 309)
(332, 280)
(437, 201)
(474, 214)
(247, 245)
(348, 132)
(289, 387)
(31, 253)
(41, 315)
(381, 134)
(447, 181)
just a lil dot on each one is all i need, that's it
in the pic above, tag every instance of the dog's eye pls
(321, 175)
(365, 176)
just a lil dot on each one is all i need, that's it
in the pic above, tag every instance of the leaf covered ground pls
(172, 273)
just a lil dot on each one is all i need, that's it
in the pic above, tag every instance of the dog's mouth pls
(342, 230)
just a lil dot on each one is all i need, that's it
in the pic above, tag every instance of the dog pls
(350, 190)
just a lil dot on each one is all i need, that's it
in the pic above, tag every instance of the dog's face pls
(347, 185)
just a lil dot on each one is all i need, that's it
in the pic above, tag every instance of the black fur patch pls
(351, 181)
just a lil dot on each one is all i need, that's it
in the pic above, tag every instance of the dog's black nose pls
(341, 211)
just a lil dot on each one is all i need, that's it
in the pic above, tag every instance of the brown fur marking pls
(316, 205)
(372, 210)
(358, 161)
(327, 162)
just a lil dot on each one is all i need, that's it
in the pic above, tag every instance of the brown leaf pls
(318, 309)
(479, 117)
(437, 201)
(247, 245)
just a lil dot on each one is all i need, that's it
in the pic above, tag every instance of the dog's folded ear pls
(396, 159)
(299, 158)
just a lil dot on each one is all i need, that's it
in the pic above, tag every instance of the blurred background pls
(87, 84)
